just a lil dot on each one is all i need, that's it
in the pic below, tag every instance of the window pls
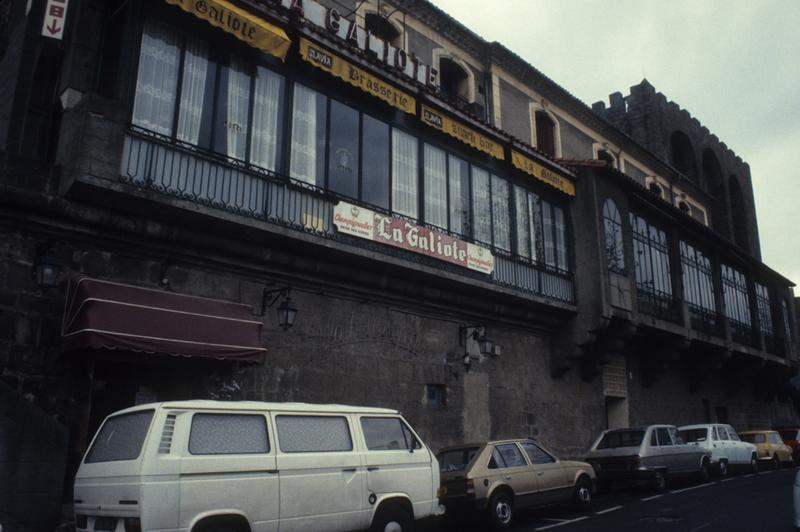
(693, 435)
(120, 438)
(651, 258)
(226, 104)
(500, 214)
(387, 434)
(313, 434)
(307, 162)
(787, 324)
(605, 155)
(536, 454)
(682, 155)
(455, 80)
(698, 279)
(458, 173)
(481, 206)
(228, 434)
(612, 232)
(404, 173)
(723, 433)
(739, 213)
(675, 435)
(663, 437)
(435, 395)
(435, 164)
(732, 434)
(545, 133)
(343, 151)
(456, 459)
(737, 302)
(382, 28)
(375, 164)
(764, 310)
(507, 455)
(621, 438)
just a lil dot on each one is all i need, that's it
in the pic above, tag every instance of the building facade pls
(461, 238)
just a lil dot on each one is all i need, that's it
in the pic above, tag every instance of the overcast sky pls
(734, 65)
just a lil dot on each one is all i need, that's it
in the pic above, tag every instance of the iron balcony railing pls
(157, 163)
(705, 320)
(658, 304)
(743, 333)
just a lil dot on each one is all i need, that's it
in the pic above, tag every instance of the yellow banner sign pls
(463, 133)
(357, 77)
(254, 31)
(538, 171)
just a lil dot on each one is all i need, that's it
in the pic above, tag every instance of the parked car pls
(647, 454)
(726, 449)
(791, 437)
(770, 447)
(197, 466)
(498, 477)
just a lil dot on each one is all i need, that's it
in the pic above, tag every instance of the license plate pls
(105, 523)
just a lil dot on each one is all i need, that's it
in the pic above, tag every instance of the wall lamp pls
(477, 344)
(46, 269)
(287, 311)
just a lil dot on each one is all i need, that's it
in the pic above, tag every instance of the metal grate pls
(165, 445)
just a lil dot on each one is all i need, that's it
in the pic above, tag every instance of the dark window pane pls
(375, 180)
(120, 438)
(233, 110)
(387, 434)
(343, 154)
(459, 195)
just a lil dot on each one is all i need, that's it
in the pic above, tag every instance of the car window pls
(387, 434)
(456, 459)
(653, 439)
(228, 434)
(676, 437)
(621, 438)
(774, 438)
(120, 438)
(663, 437)
(723, 433)
(788, 434)
(760, 438)
(310, 434)
(693, 435)
(732, 433)
(510, 455)
(536, 454)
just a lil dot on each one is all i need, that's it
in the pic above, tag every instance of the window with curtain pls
(612, 235)
(197, 94)
(481, 206)
(523, 233)
(404, 174)
(232, 110)
(651, 258)
(734, 291)
(266, 134)
(157, 80)
(435, 175)
(764, 310)
(459, 195)
(307, 153)
(698, 278)
(500, 214)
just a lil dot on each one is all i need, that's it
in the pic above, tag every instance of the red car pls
(791, 437)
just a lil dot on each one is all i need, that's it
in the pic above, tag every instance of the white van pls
(213, 466)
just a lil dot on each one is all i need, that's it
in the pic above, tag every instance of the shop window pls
(612, 232)
(454, 81)
(737, 301)
(545, 133)
(682, 155)
(381, 27)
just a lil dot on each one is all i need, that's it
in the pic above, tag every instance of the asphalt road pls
(741, 503)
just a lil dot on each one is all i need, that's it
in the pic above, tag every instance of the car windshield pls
(788, 434)
(621, 438)
(456, 459)
(692, 435)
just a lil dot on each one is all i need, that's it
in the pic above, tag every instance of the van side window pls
(313, 434)
(387, 434)
(228, 434)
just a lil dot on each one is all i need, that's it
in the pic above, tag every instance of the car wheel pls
(582, 496)
(754, 464)
(501, 510)
(723, 468)
(659, 480)
(392, 519)
(775, 462)
(705, 471)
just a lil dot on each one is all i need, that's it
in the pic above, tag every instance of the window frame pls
(343, 416)
(263, 417)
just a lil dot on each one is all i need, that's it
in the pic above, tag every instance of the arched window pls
(382, 28)
(454, 81)
(739, 212)
(612, 232)
(712, 172)
(682, 155)
(545, 133)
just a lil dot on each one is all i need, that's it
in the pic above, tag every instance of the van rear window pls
(120, 438)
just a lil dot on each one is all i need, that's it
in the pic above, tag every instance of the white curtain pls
(157, 81)
(303, 162)
(435, 187)
(500, 218)
(266, 102)
(535, 216)
(481, 206)
(238, 108)
(549, 239)
(561, 238)
(195, 74)
(459, 206)
(523, 222)
(404, 174)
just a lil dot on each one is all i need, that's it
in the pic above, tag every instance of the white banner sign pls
(55, 15)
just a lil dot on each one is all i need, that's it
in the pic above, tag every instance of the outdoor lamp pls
(286, 313)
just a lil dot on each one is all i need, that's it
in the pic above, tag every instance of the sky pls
(734, 65)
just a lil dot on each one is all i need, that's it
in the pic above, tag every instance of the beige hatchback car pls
(498, 477)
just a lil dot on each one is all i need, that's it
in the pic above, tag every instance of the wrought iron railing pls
(157, 163)
(743, 333)
(706, 321)
(658, 304)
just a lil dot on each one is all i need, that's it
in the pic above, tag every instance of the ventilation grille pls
(165, 444)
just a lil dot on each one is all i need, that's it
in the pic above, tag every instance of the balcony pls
(706, 321)
(743, 333)
(152, 162)
(658, 304)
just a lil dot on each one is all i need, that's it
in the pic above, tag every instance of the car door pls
(687, 456)
(724, 444)
(220, 472)
(322, 484)
(550, 474)
(396, 460)
(516, 472)
(740, 453)
(666, 451)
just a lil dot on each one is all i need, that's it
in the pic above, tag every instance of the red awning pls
(103, 314)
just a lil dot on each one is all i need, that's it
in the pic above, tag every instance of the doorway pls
(616, 412)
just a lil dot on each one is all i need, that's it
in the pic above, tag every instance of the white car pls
(726, 449)
(198, 466)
